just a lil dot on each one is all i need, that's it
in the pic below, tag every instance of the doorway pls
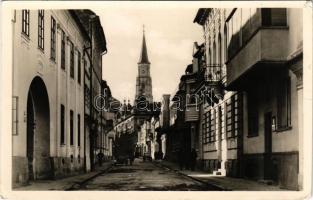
(38, 131)
(30, 136)
(268, 166)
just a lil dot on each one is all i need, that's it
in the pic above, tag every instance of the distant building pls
(94, 49)
(164, 124)
(143, 81)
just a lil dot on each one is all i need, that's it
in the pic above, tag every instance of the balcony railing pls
(213, 73)
(191, 113)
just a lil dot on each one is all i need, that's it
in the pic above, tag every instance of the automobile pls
(121, 160)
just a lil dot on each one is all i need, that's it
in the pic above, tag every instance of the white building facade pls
(48, 95)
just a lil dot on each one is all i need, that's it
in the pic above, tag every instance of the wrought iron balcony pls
(191, 113)
(213, 73)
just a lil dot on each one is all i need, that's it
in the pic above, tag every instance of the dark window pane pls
(72, 60)
(71, 127)
(53, 39)
(78, 130)
(62, 49)
(62, 124)
(79, 67)
(41, 29)
(25, 22)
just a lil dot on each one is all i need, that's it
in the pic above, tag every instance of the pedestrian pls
(181, 158)
(187, 159)
(193, 159)
(156, 157)
(161, 155)
(100, 158)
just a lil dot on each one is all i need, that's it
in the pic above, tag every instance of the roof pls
(143, 55)
(189, 69)
(83, 17)
(201, 16)
(82, 28)
(199, 51)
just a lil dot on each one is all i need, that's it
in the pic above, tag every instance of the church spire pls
(144, 55)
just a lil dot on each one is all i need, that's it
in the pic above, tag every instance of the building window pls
(220, 120)
(225, 42)
(212, 126)
(284, 104)
(62, 49)
(204, 129)
(15, 115)
(71, 59)
(53, 38)
(209, 55)
(220, 62)
(208, 127)
(41, 29)
(274, 16)
(78, 129)
(253, 114)
(79, 67)
(233, 116)
(62, 124)
(234, 33)
(25, 22)
(71, 127)
(87, 97)
(239, 28)
(214, 54)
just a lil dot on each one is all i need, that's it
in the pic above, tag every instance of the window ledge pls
(53, 60)
(275, 27)
(278, 130)
(25, 36)
(41, 50)
(252, 136)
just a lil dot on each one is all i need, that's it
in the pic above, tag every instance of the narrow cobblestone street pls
(142, 176)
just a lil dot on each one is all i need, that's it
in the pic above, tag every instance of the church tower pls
(143, 81)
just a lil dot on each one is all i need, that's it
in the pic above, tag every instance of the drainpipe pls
(91, 121)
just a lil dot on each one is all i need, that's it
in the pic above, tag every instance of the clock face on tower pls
(143, 71)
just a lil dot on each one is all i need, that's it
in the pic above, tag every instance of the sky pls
(170, 35)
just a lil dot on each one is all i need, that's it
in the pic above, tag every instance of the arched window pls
(214, 53)
(225, 42)
(220, 62)
(209, 55)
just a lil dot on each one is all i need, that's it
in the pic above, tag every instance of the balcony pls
(267, 48)
(259, 46)
(213, 73)
(191, 113)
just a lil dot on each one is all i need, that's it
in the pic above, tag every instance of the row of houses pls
(239, 103)
(57, 79)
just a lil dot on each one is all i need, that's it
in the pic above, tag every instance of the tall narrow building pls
(143, 82)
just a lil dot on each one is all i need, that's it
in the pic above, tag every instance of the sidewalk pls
(64, 183)
(222, 182)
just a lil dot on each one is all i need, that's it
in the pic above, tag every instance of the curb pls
(80, 183)
(217, 187)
